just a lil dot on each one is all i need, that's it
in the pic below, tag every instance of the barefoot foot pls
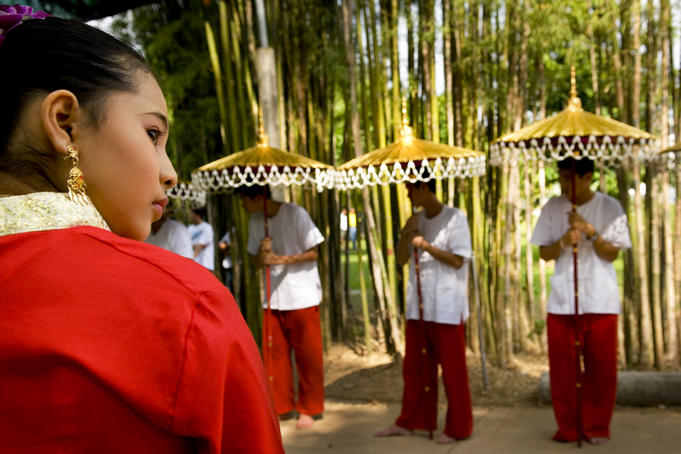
(444, 439)
(598, 440)
(304, 422)
(392, 431)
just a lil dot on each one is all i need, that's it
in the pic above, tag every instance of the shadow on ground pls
(383, 382)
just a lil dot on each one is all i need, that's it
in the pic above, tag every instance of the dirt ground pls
(373, 377)
(364, 391)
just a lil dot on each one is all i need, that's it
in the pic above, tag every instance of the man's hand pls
(265, 255)
(418, 241)
(266, 244)
(576, 221)
(572, 236)
(270, 258)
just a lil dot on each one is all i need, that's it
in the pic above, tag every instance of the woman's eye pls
(154, 134)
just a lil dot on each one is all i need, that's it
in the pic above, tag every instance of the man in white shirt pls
(600, 230)
(225, 246)
(201, 233)
(290, 249)
(435, 319)
(343, 223)
(171, 235)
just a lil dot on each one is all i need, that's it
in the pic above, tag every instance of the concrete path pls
(348, 428)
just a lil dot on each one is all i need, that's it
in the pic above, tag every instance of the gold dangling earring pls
(76, 182)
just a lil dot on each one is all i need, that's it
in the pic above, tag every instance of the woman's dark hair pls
(40, 56)
(581, 166)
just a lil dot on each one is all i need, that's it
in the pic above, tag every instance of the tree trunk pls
(366, 318)
(676, 313)
(670, 290)
(638, 247)
(636, 77)
(529, 258)
(217, 72)
(594, 70)
(655, 274)
(447, 54)
(395, 67)
(504, 328)
(229, 78)
(521, 104)
(617, 69)
(393, 338)
(669, 309)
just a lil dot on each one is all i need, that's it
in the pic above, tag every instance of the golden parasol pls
(414, 160)
(674, 148)
(263, 165)
(186, 192)
(671, 156)
(574, 133)
(409, 160)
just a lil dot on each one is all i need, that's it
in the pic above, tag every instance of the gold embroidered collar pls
(45, 211)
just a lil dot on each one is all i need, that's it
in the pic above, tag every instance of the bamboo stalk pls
(638, 240)
(229, 77)
(529, 259)
(217, 72)
(670, 290)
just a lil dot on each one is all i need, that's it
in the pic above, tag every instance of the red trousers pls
(599, 381)
(299, 330)
(430, 344)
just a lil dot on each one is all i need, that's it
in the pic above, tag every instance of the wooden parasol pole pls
(268, 291)
(579, 348)
(577, 321)
(424, 344)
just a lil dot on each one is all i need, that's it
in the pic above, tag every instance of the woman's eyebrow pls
(160, 116)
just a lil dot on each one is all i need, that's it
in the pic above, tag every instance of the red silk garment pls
(110, 345)
(299, 330)
(445, 345)
(599, 384)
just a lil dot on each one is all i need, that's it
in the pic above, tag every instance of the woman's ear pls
(59, 113)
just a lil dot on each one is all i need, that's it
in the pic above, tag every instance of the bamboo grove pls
(470, 71)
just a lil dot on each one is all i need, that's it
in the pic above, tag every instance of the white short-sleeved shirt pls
(227, 260)
(203, 234)
(444, 288)
(295, 286)
(597, 281)
(173, 236)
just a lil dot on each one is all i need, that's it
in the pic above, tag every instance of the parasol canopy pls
(409, 159)
(186, 192)
(574, 133)
(262, 165)
(673, 148)
(671, 156)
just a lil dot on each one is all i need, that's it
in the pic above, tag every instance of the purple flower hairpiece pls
(11, 16)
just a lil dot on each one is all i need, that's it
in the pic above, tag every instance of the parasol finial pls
(262, 135)
(574, 103)
(406, 129)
